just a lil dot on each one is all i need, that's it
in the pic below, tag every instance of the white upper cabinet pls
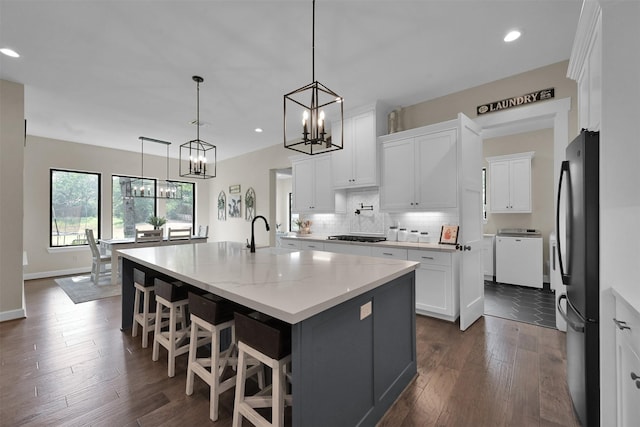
(356, 165)
(510, 183)
(419, 172)
(311, 185)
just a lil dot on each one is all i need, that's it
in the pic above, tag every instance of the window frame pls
(52, 171)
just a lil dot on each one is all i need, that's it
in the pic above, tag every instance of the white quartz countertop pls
(290, 286)
(384, 244)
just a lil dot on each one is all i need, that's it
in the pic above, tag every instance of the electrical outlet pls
(365, 310)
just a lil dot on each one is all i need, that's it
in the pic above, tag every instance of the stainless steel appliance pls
(356, 238)
(578, 250)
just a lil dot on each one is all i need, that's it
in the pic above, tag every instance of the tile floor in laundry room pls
(520, 303)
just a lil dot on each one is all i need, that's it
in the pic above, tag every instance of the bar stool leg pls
(193, 348)
(145, 315)
(157, 331)
(136, 304)
(242, 371)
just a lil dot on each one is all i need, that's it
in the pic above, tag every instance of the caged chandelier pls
(316, 105)
(200, 155)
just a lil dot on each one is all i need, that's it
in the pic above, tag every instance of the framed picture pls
(235, 206)
(250, 204)
(234, 189)
(222, 206)
(449, 235)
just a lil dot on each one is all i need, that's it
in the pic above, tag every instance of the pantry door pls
(470, 237)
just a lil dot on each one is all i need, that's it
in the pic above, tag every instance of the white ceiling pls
(106, 72)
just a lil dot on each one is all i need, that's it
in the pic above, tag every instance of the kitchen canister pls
(424, 237)
(402, 235)
(413, 237)
(392, 234)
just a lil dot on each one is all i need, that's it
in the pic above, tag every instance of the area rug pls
(82, 289)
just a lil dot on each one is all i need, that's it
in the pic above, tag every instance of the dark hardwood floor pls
(68, 364)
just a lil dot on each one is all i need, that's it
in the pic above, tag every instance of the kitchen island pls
(352, 318)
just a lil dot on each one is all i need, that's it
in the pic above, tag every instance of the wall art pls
(250, 204)
(235, 206)
(222, 206)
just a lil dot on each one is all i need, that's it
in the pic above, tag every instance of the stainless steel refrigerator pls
(577, 224)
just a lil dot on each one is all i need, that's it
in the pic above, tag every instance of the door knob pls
(463, 248)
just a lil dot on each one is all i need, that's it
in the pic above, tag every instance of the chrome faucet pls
(253, 241)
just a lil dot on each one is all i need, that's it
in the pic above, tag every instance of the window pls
(75, 206)
(484, 194)
(130, 213)
(181, 212)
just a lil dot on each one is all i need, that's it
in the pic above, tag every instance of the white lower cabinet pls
(437, 294)
(289, 243)
(627, 363)
(396, 253)
(341, 248)
(312, 246)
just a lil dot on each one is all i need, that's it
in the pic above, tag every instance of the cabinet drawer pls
(624, 313)
(291, 244)
(312, 246)
(389, 253)
(430, 257)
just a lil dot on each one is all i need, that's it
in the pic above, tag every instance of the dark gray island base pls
(350, 362)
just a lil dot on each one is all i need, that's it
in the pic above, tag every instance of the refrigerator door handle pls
(564, 168)
(578, 327)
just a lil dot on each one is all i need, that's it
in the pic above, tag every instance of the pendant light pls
(199, 154)
(146, 187)
(311, 109)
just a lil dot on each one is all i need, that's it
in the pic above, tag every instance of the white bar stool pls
(174, 298)
(210, 315)
(145, 318)
(268, 340)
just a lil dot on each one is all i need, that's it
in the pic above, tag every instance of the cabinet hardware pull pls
(634, 376)
(621, 324)
(387, 253)
(427, 257)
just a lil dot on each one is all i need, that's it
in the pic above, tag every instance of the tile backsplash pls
(375, 222)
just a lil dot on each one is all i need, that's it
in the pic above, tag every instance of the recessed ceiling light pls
(10, 52)
(258, 130)
(512, 35)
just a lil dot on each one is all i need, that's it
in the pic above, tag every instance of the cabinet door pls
(433, 289)
(520, 185)
(290, 243)
(312, 246)
(436, 171)
(628, 364)
(302, 185)
(397, 180)
(342, 160)
(324, 197)
(365, 157)
(499, 186)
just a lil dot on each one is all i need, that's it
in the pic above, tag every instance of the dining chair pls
(179, 234)
(203, 231)
(98, 259)
(148, 235)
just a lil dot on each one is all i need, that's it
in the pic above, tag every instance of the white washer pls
(519, 257)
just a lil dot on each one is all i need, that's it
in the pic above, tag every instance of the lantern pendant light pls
(317, 107)
(199, 155)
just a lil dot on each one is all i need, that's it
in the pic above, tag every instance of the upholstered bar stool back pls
(211, 316)
(142, 315)
(171, 301)
(268, 340)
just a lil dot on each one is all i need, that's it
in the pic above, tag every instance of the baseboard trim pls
(55, 273)
(13, 315)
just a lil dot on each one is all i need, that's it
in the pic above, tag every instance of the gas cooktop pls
(352, 238)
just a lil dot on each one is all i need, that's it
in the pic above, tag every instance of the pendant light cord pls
(313, 43)
(198, 110)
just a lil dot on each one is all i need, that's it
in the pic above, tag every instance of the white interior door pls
(470, 237)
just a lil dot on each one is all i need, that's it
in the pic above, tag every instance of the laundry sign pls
(516, 101)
